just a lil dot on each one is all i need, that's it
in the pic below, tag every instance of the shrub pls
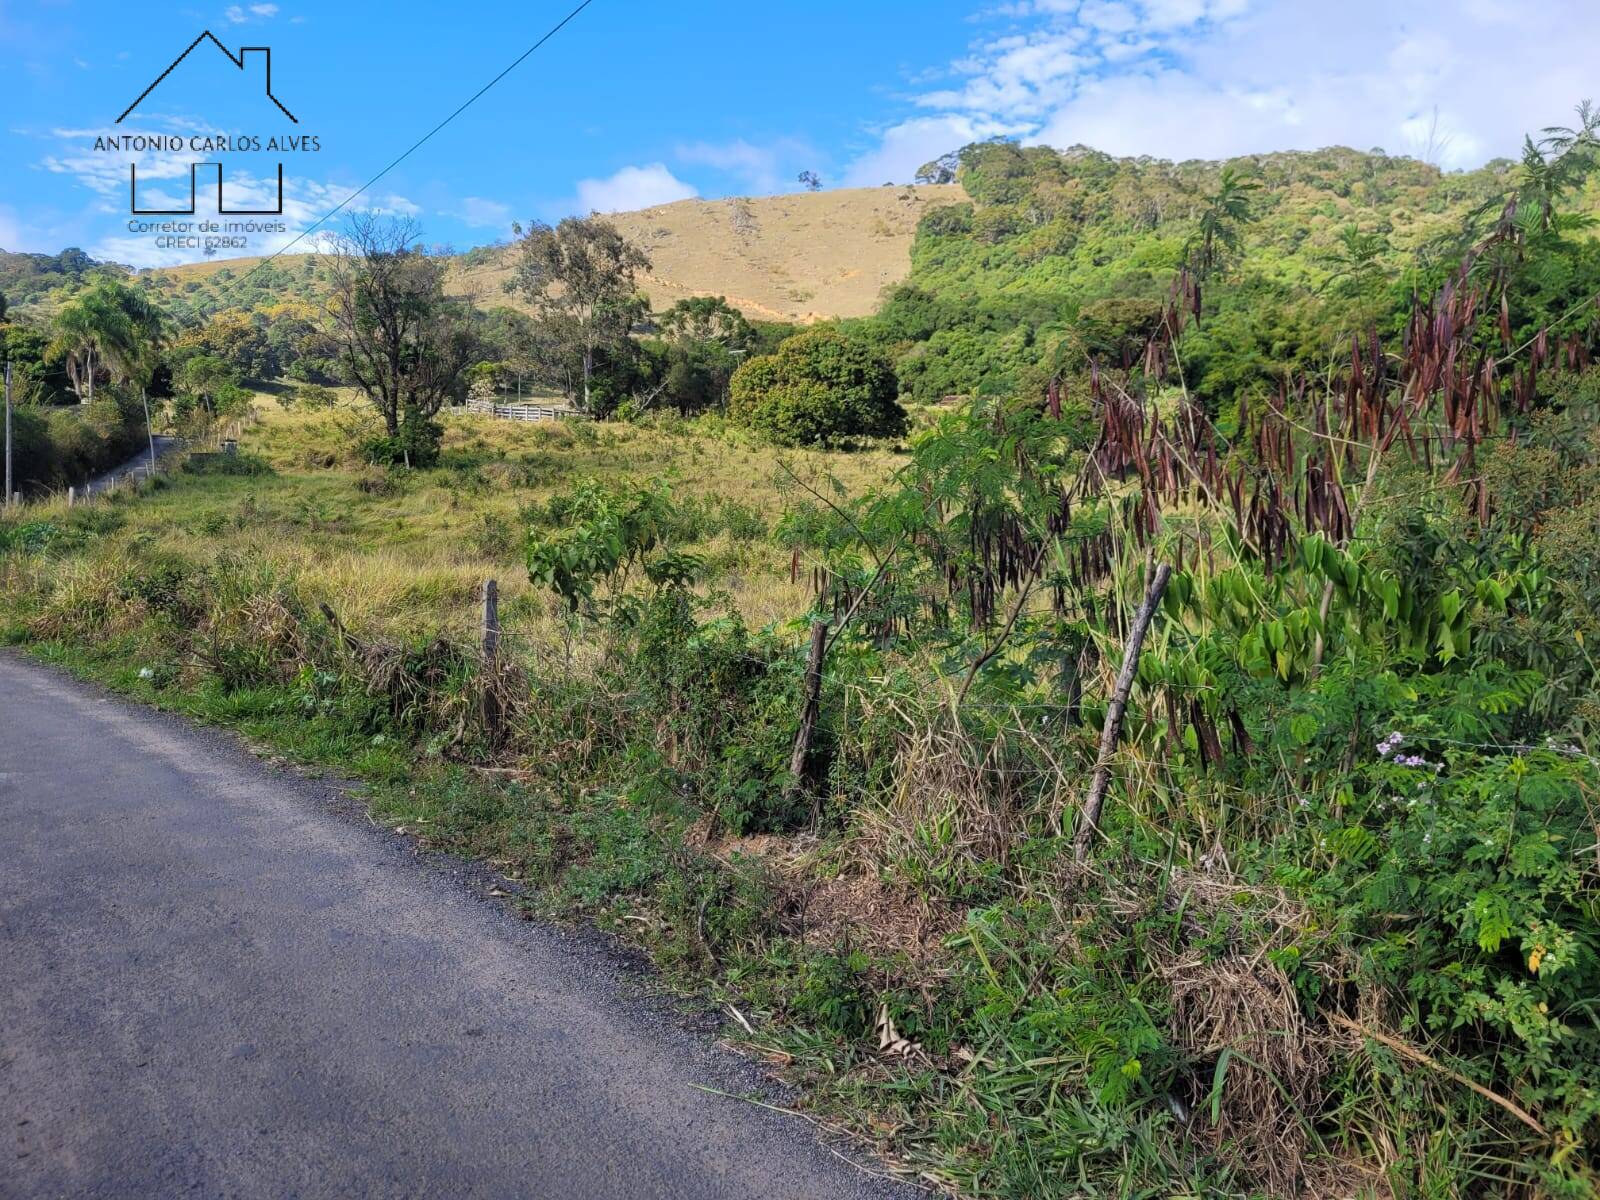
(54, 447)
(314, 397)
(226, 464)
(28, 537)
(818, 388)
(415, 444)
(1466, 884)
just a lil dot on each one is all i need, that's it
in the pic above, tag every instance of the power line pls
(554, 29)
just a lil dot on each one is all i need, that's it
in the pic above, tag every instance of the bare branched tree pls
(401, 340)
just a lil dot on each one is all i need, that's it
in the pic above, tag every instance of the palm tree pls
(149, 333)
(1560, 161)
(1227, 209)
(108, 327)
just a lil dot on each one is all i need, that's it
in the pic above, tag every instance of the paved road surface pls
(136, 467)
(218, 980)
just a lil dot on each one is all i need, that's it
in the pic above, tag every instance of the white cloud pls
(904, 147)
(11, 237)
(632, 188)
(239, 14)
(770, 167)
(1214, 78)
(481, 213)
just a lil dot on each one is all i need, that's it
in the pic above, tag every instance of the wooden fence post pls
(72, 496)
(492, 715)
(491, 620)
(809, 710)
(1089, 818)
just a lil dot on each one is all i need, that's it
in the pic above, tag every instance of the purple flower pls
(1390, 744)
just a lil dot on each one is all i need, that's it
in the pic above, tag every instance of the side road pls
(219, 980)
(136, 467)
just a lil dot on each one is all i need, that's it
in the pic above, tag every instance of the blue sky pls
(635, 104)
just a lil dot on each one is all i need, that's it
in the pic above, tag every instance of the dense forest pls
(1062, 254)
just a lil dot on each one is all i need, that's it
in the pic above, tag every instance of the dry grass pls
(401, 556)
(826, 906)
(800, 257)
(1247, 1009)
(956, 802)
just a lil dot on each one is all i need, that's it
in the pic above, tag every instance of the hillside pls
(1059, 252)
(801, 257)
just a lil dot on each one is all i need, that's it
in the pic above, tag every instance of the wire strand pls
(322, 220)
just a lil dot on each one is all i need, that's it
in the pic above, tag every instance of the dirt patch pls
(875, 917)
(854, 905)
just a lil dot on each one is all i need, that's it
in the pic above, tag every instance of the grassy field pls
(407, 554)
(293, 522)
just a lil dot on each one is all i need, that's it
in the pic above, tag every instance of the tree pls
(237, 337)
(400, 340)
(810, 180)
(205, 387)
(579, 277)
(87, 331)
(108, 327)
(1227, 211)
(691, 365)
(819, 387)
(707, 319)
(28, 351)
(940, 170)
(297, 345)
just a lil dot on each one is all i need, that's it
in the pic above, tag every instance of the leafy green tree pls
(27, 349)
(707, 319)
(940, 170)
(580, 278)
(205, 387)
(111, 328)
(1226, 212)
(690, 364)
(237, 337)
(819, 387)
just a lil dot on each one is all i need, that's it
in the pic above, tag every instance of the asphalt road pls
(136, 467)
(217, 979)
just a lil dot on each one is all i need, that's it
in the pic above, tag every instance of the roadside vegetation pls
(1122, 721)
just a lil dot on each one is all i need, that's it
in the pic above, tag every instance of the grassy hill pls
(976, 287)
(802, 257)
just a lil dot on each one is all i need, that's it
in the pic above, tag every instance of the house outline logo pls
(194, 168)
(238, 60)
